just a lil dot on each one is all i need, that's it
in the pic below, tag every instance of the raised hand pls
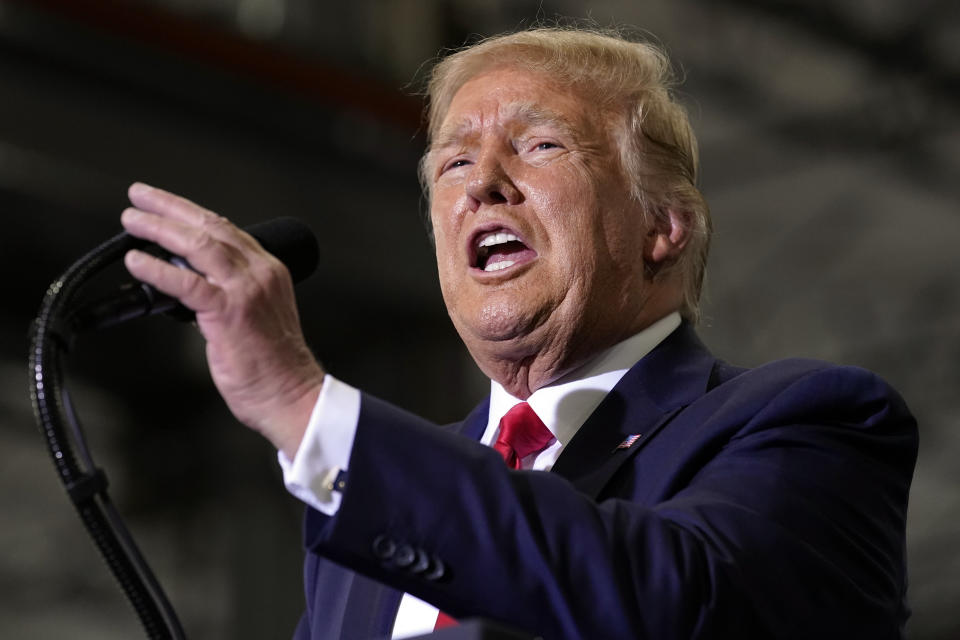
(245, 308)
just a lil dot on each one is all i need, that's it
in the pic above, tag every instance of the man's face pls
(539, 244)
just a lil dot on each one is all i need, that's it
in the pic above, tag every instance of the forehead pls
(513, 96)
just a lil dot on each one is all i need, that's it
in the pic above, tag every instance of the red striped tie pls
(521, 434)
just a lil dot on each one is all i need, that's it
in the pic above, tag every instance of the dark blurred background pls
(830, 136)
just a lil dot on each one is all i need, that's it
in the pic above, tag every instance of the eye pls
(542, 149)
(456, 163)
(539, 144)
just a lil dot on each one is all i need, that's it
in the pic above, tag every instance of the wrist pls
(286, 424)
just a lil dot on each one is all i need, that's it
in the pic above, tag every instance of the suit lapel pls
(648, 396)
(475, 424)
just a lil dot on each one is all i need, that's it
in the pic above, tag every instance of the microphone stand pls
(53, 333)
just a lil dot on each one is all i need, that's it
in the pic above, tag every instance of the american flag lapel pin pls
(628, 441)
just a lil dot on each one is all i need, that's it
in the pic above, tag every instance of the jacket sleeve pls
(778, 513)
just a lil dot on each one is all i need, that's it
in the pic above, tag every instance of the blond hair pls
(632, 82)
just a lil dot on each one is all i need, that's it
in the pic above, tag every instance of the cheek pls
(626, 230)
(573, 210)
(441, 220)
(559, 194)
(445, 255)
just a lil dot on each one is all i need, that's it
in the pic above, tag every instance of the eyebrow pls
(524, 113)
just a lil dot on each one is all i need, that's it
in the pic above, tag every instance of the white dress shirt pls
(563, 406)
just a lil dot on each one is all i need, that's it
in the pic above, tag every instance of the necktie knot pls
(522, 433)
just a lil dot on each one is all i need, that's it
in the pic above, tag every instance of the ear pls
(667, 237)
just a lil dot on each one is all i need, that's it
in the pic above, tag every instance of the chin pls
(495, 323)
(499, 336)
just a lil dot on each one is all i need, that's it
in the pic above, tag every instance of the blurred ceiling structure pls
(830, 141)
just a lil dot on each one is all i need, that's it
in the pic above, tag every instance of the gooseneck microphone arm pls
(60, 319)
(86, 484)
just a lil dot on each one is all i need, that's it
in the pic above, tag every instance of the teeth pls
(497, 266)
(498, 238)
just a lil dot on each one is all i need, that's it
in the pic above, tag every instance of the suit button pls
(422, 562)
(436, 571)
(384, 547)
(404, 556)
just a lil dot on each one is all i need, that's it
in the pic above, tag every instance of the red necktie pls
(522, 433)
(444, 621)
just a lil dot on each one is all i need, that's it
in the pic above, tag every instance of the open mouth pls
(498, 250)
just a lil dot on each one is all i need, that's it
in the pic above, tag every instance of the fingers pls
(216, 258)
(210, 243)
(232, 264)
(167, 204)
(171, 207)
(191, 288)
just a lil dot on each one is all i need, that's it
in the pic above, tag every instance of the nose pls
(490, 183)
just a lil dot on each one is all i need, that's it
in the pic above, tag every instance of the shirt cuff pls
(325, 448)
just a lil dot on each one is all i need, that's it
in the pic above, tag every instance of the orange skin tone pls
(517, 153)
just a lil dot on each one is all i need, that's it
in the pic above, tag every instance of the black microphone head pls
(291, 241)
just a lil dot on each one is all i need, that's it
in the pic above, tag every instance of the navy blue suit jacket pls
(756, 503)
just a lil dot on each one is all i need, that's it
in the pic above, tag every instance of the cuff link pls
(336, 481)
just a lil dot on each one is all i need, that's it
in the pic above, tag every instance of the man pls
(687, 498)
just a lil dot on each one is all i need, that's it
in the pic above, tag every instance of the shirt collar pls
(565, 404)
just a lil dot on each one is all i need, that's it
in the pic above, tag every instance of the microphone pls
(288, 239)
